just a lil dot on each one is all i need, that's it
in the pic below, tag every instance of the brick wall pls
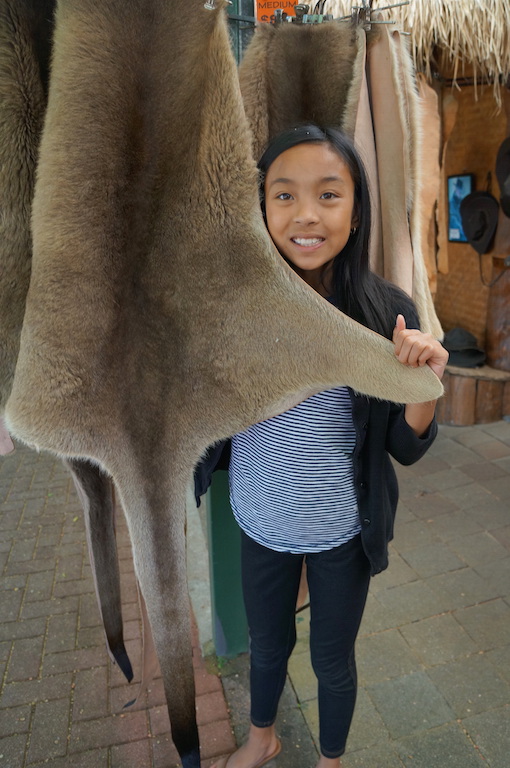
(461, 298)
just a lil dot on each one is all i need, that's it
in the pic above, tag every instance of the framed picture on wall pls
(458, 188)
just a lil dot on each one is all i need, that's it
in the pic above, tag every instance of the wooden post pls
(489, 397)
(498, 318)
(506, 401)
(458, 404)
(474, 396)
(498, 306)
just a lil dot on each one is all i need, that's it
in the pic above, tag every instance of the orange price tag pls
(265, 9)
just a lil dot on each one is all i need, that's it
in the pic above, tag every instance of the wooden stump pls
(474, 396)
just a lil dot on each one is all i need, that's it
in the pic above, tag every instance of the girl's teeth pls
(308, 241)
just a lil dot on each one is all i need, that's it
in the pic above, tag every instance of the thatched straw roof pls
(451, 35)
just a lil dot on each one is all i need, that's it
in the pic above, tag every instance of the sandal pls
(223, 763)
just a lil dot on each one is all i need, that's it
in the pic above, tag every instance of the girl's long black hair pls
(358, 292)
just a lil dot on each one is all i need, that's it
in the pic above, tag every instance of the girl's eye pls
(283, 196)
(328, 196)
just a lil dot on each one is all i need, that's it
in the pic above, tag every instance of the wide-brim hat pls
(479, 213)
(503, 175)
(463, 349)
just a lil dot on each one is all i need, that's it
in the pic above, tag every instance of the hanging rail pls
(360, 14)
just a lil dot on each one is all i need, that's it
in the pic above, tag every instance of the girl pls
(316, 483)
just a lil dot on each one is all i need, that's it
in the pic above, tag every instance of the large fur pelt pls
(337, 74)
(26, 28)
(25, 32)
(296, 73)
(159, 317)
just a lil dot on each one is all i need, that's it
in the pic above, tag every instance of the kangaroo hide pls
(24, 63)
(25, 41)
(159, 316)
(337, 74)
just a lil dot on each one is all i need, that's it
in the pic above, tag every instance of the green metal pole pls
(234, 30)
(230, 630)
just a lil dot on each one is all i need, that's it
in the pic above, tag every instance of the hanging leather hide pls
(429, 152)
(159, 316)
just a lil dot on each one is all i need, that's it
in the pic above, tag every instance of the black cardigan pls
(381, 432)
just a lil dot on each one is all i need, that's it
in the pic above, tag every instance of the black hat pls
(463, 349)
(503, 175)
(479, 214)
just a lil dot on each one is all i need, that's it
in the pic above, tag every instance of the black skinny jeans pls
(338, 584)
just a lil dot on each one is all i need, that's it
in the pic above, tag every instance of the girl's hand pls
(414, 348)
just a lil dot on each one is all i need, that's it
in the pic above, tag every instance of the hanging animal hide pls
(24, 62)
(159, 316)
(409, 119)
(429, 149)
(336, 74)
(25, 43)
(25, 28)
(296, 73)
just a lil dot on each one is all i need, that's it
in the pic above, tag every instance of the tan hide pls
(298, 73)
(428, 191)
(25, 41)
(159, 317)
(358, 124)
(397, 127)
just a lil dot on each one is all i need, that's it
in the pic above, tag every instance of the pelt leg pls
(95, 490)
(156, 521)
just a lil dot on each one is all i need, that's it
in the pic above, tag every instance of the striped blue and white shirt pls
(291, 477)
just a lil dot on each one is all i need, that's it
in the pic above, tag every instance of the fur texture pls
(25, 28)
(159, 316)
(96, 495)
(359, 112)
(295, 73)
(25, 44)
(287, 77)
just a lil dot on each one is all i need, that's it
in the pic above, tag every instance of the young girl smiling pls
(316, 483)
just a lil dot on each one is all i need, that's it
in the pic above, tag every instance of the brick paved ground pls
(433, 653)
(434, 647)
(61, 699)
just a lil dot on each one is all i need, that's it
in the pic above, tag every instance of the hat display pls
(463, 349)
(503, 175)
(479, 214)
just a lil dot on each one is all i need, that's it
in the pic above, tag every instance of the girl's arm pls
(414, 348)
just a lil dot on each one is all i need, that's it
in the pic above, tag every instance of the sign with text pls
(265, 8)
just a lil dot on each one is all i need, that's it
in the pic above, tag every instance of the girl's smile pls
(309, 195)
(308, 242)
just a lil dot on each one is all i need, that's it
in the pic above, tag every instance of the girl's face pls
(309, 196)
